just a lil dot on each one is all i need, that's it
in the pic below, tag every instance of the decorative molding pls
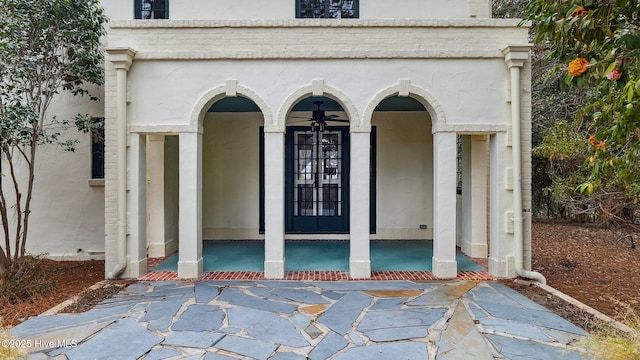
(275, 54)
(355, 123)
(470, 129)
(121, 58)
(318, 87)
(316, 23)
(516, 55)
(424, 97)
(232, 87)
(403, 87)
(211, 96)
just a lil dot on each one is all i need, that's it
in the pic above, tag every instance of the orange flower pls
(578, 66)
(601, 145)
(592, 140)
(579, 11)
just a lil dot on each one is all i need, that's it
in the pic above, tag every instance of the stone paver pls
(341, 316)
(291, 320)
(126, 339)
(331, 344)
(199, 318)
(266, 325)
(256, 349)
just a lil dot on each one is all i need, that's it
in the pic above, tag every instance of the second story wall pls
(286, 9)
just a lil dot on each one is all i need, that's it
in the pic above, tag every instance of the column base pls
(135, 269)
(190, 269)
(444, 269)
(474, 250)
(502, 269)
(360, 269)
(274, 269)
(162, 249)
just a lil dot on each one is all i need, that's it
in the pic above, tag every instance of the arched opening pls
(231, 186)
(317, 168)
(403, 170)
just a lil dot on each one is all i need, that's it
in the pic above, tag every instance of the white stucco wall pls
(456, 84)
(230, 176)
(67, 213)
(171, 198)
(285, 9)
(404, 175)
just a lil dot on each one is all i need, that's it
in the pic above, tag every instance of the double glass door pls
(317, 180)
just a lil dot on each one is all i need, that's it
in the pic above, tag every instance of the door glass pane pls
(318, 178)
(305, 203)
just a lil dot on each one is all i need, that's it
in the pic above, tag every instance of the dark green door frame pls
(307, 210)
(289, 182)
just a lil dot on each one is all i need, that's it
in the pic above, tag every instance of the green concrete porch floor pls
(317, 255)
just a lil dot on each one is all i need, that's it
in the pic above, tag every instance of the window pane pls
(97, 151)
(312, 8)
(151, 9)
(339, 9)
(336, 9)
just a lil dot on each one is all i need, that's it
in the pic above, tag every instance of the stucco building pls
(300, 119)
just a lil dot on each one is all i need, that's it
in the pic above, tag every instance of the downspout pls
(515, 56)
(121, 59)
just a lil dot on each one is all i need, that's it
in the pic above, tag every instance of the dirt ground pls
(71, 278)
(592, 265)
(582, 261)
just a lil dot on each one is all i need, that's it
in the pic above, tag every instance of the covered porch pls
(192, 174)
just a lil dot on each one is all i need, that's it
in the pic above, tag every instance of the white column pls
(359, 257)
(444, 214)
(122, 59)
(190, 193)
(501, 260)
(474, 195)
(156, 238)
(274, 261)
(137, 206)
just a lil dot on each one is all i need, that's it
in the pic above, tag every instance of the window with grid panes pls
(151, 9)
(328, 9)
(97, 151)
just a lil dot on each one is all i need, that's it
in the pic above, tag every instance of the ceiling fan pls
(319, 119)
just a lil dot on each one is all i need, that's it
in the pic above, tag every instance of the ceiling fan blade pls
(299, 117)
(298, 122)
(338, 120)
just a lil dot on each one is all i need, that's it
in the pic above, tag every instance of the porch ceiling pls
(242, 104)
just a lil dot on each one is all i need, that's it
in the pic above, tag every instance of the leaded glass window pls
(151, 9)
(331, 9)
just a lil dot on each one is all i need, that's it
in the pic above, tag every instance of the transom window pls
(151, 9)
(330, 9)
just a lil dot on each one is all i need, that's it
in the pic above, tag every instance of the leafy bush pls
(25, 279)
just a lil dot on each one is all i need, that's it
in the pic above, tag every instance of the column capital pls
(517, 54)
(121, 58)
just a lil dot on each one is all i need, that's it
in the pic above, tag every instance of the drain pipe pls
(121, 59)
(516, 56)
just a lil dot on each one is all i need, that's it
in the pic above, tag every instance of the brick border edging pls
(319, 276)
